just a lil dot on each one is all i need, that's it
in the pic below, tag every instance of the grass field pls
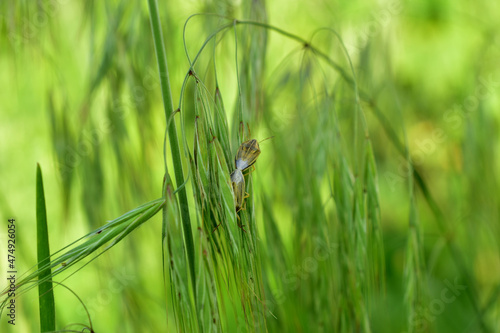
(373, 205)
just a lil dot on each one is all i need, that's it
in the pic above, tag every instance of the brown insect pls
(247, 154)
(238, 182)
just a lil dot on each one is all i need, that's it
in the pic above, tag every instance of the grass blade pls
(45, 290)
(172, 134)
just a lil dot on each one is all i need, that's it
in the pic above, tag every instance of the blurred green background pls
(80, 94)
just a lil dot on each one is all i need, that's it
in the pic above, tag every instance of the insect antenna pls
(266, 139)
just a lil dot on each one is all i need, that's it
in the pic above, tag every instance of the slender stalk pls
(172, 133)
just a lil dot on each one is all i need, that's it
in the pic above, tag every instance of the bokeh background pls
(80, 94)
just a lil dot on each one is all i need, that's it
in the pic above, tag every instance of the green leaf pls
(45, 290)
(166, 93)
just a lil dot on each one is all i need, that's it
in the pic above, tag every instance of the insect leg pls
(249, 170)
(239, 220)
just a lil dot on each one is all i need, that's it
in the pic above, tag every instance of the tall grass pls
(335, 235)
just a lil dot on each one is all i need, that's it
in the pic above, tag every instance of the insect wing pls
(238, 187)
(247, 154)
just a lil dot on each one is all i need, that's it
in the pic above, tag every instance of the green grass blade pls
(45, 290)
(64, 259)
(172, 133)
